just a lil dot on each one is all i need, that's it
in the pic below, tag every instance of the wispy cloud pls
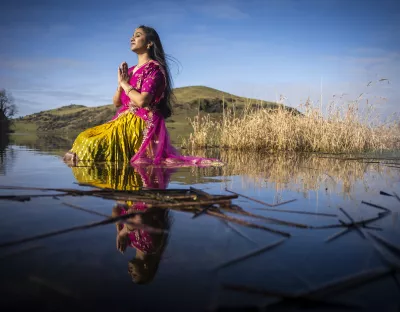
(158, 14)
(223, 9)
(367, 63)
(38, 63)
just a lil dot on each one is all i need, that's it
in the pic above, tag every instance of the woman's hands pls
(123, 75)
(122, 241)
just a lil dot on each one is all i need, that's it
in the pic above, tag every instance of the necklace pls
(138, 67)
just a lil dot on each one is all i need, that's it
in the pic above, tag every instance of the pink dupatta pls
(156, 147)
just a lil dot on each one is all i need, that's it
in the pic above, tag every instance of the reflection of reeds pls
(344, 127)
(298, 172)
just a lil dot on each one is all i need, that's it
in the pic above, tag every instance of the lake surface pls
(189, 267)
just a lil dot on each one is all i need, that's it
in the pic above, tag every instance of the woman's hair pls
(157, 53)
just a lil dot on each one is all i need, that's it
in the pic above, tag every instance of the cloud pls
(222, 9)
(38, 63)
(158, 14)
(26, 102)
(297, 93)
(367, 63)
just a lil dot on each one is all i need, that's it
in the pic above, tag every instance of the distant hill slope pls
(189, 100)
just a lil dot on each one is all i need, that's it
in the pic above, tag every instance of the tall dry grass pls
(342, 128)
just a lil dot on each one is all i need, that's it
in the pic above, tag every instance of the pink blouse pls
(148, 78)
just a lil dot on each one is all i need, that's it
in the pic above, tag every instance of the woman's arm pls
(139, 99)
(117, 97)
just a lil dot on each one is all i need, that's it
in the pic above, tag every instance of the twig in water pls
(251, 254)
(88, 185)
(350, 226)
(287, 298)
(386, 243)
(397, 196)
(261, 202)
(81, 227)
(322, 291)
(384, 193)
(201, 212)
(233, 228)
(248, 224)
(63, 190)
(361, 222)
(360, 231)
(85, 209)
(336, 235)
(237, 231)
(298, 212)
(274, 220)
(200, 192)
(375, 206)
(98, 213)
(375, 228)
(23, 198)
(20, 198)
(387, 256)
(351, 281)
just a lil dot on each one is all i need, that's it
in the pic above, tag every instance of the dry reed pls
(345, 127)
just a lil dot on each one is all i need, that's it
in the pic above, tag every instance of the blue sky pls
(55, 53)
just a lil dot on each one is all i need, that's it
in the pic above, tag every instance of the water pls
(83, 269)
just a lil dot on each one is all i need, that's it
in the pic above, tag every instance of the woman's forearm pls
(117, 97)
(140, 100)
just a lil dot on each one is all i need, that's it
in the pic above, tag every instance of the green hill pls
(189, 101)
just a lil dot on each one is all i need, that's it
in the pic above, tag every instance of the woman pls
(137, 132)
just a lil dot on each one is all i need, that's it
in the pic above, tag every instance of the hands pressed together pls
(137, 99)
(123, 80)
(123, 75)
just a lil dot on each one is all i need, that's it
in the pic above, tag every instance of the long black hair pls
(156, 52)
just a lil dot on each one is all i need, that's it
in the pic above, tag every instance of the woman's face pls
(139, 41)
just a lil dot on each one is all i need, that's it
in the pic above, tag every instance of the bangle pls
(130, 89)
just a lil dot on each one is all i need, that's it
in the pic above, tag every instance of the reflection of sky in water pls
(77, 265)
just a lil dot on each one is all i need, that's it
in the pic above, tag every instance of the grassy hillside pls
(189, 101)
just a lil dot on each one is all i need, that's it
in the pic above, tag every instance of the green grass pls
(24, 127)
(65, 110)
(189, 94)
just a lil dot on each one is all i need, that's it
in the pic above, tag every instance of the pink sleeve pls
(153, 80)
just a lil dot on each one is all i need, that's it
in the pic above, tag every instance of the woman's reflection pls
(149, 246)
(122, 177)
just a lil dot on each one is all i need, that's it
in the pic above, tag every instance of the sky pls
(55, 53)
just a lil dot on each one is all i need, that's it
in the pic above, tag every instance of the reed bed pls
(342, 128)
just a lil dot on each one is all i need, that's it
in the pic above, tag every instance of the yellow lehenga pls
(116, 140)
